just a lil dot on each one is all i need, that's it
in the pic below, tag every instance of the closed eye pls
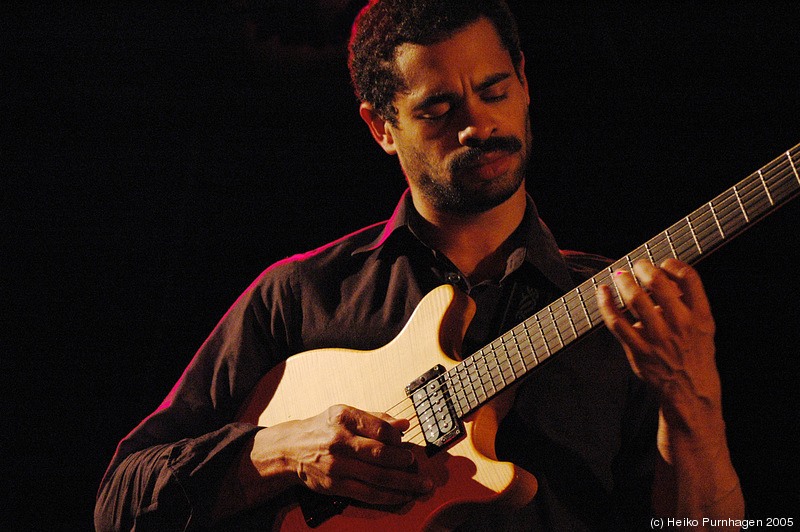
(494, 97)
(435, 112)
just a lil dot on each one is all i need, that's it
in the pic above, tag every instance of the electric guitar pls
(453, 404)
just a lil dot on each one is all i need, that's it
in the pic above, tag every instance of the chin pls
(476, 201)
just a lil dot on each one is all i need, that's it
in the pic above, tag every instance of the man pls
(611, 439)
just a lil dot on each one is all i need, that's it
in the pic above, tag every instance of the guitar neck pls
(514, 355)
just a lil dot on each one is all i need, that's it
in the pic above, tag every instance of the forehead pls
(470, 55)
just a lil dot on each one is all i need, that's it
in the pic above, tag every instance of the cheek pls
(419, 159)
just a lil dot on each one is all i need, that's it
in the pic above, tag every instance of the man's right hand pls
(343, 451)
(347, 452)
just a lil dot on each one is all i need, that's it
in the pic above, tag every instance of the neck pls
(475, 243)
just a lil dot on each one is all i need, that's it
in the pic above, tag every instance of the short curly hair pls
(384, 25)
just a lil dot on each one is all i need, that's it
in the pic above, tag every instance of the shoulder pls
(327, 261)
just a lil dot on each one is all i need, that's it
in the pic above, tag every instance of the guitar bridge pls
(437, 416)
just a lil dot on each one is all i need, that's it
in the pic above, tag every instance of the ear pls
(380, 128)
(523, 79)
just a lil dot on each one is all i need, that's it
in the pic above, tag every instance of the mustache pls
(470, 157)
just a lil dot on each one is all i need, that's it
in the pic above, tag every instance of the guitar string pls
(752, 188)
(687, 236)
(415, 429)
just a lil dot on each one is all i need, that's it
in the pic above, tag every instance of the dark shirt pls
(583, 423)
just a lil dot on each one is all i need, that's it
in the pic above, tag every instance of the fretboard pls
(514, 355)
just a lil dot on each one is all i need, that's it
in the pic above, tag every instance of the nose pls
(479, 126)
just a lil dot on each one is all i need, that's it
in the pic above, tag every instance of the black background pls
(156, 158)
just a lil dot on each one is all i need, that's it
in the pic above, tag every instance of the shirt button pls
(453, 278)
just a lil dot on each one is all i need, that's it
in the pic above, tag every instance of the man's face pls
(462, 133)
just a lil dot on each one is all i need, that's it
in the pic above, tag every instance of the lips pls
(491, 165)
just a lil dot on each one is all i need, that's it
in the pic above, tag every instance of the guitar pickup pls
(437, 416)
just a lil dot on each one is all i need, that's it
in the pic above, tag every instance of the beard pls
(464, 196)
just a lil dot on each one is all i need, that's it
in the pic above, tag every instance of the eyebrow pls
(447, 97)
(491, 80)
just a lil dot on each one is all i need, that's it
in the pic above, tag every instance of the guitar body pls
(468, 476)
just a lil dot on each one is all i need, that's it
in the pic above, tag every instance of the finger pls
(370, 493)
(378, 453)
(689, 282)
(640, 305)
(386, 430)
(617, 323)
(663, 290)
(400, 424)
(384, 479)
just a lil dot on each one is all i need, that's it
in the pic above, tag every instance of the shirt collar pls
(537, 246)
(401, 220)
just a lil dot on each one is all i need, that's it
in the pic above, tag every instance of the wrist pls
(259, 473)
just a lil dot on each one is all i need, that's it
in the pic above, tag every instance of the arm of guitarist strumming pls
(342, 451)
(671, 347)
(163, 487)
(167, 470)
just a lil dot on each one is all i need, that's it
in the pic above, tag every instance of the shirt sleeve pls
(165, 473)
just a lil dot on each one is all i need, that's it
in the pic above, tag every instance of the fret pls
(649, 254)
(485, 374)
(683, 241)
(508, 364)
(457, 392)
(716, 220)
(576, 313)
(475, 379)
(495, 371)
(753, 197)
(466, 400)
(563, 323)
(705, 229)
(738, 199)
(527, 354)
(694, 235)
(513, 358)
(591, 301)
(584, 307)
(502, 363)
(524, 346)
(671, 246)
(555, 326)
(470, 386)
(529, 341)
(540, 348)
(781, 179)
(468, 394)
(630, 267)
(552, 334)
(793, 165)
(608, 273)
(660, 249)
(477, 376)
(730, 214)
(541, 332)
(571, 323)
(638, 254)
(766, 189)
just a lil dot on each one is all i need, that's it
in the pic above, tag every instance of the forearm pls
(161, 487)
(256, 476)
(695, 479)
